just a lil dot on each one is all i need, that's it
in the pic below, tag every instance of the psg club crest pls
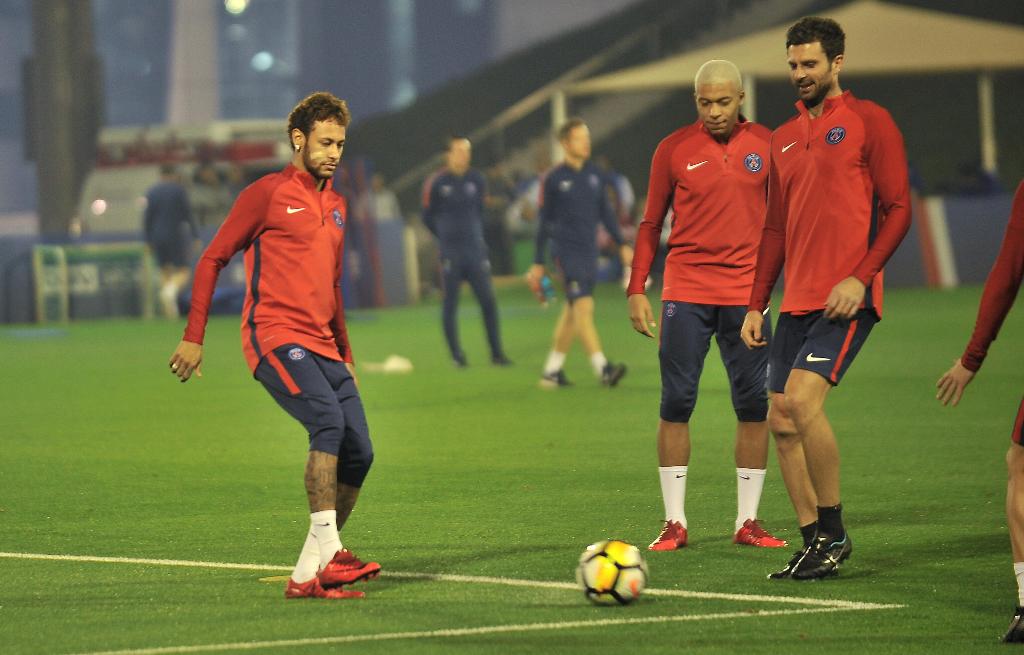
(594, 181)
(338, 219)
(470, 189)
(835, 135)
(670, 309)
(296, 354)
(753, 162)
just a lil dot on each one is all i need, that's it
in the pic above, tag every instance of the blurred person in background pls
(453, 210)
(292, 227)
(574, 198)
(211, 197)
(623, 200)
(996, 300)
(385, 202)
(712, 175)
(500, 192)
(170, 230)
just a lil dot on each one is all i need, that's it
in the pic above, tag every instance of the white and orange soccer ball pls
(611, 571)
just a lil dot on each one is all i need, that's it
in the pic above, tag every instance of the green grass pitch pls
(480, 473)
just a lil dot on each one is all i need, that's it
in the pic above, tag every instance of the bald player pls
(712, 175)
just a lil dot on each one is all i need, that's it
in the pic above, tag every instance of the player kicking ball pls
(712, 174)
(291, 226)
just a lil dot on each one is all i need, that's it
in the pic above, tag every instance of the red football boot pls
(346, 568)
(752, 534)
(672, 536)
(312, 589)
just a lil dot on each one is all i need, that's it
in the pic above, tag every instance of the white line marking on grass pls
(677, 593)
(817, 606)
(461, 632)
(141, 560)
(476, 579)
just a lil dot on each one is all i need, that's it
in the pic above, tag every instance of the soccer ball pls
(611, 571)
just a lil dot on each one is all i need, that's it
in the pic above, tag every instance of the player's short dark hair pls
(319, 106)
(823, 30)
(568, 126)
(452, 138)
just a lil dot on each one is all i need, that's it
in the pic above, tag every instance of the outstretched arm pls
(1001, 289)
(237, 233)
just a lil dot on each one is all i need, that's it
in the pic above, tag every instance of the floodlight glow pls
(235, 6)
(262, 61)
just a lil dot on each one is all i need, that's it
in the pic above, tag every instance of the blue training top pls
(572, 202)
(453, 209)
(167, 212)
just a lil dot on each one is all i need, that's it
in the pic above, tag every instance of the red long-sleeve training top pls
(717, 195)
(293, 236)
(1000, 288)
(838, 204)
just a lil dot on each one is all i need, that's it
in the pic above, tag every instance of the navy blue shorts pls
(171, 253)
(814, 343)
(474, 268)
(686, 330)
(577, 276)
(321, 394)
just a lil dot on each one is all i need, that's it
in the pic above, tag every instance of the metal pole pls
(987, 123)
(750, 98)
(559, 114)
(193, 94)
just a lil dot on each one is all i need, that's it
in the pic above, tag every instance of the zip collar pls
(829, 106)
(306, 178)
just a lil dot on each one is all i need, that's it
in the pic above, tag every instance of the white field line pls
(818, 606)
(474, 579)
(461, 632)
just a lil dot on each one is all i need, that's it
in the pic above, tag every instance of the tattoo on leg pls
(321, 480)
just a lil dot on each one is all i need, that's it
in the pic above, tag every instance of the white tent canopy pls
(882, 39)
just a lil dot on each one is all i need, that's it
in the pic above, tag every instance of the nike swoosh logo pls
(680, 476)
(812, 358)
(744, 477)
(785, 148)
(690, 167)
(297, 209)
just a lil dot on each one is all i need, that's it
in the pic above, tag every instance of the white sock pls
(598, 361)
(749, 483)
(555, 362)
(1018, 570)
(309, 560)
(324, 526)
(169, 299)
(673, 492)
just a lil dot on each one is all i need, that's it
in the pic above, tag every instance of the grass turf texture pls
(479, 472)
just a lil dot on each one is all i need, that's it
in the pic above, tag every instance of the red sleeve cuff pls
(972, 362)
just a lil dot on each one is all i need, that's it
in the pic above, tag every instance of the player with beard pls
(453, 211)
(291, 226)
(838, 206)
